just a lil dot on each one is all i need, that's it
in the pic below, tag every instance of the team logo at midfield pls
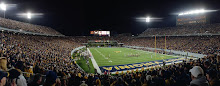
(117, 51)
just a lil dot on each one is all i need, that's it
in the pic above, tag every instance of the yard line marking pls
(102, 55)
(95, 65)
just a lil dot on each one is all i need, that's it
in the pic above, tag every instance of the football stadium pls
(106, 57)
(109, 43)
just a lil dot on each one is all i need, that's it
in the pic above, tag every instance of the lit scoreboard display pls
(100, 33)
(191, 19)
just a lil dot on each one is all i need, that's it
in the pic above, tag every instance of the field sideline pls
(119, 56)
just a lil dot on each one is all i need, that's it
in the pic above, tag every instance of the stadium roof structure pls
(195, 12)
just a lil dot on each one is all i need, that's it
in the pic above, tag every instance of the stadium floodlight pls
(29, 15)
(3, 7)
(193, 12)
(148, 19)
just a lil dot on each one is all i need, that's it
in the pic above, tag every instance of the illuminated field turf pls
(118, 56)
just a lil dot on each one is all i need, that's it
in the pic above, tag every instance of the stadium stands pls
(21, 26)
(47, 53)
(196, 44)
(37, 56)
(198, 29)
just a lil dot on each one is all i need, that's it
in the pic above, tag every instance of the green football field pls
(120, 56)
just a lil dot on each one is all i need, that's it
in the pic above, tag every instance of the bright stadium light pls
(3, 7)
(29, 15)
(148, 19)
(193, 12)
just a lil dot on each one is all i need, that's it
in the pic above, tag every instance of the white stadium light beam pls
(29, 15)
(148, 19)
(3, 6)
(195, 12)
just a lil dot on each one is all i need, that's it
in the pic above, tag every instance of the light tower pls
(147, 20)
(3, 7)
(29, 15)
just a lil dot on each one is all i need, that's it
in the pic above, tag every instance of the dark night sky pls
(78, 17)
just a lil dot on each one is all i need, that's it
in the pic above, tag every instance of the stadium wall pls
(74, 51)
(173, 51)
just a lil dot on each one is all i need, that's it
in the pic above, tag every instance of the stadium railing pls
(78, 48)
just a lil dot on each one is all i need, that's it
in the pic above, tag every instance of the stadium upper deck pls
(21, 26)
(199, 29)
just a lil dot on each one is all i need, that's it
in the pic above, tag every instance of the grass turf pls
(118, 56)
(84, 66)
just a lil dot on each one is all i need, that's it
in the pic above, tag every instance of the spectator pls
(15, 78)
(3, 76)
(207, 65)
(198, 78)
(3, 63)
(212, 77)
(83, 84)
(51, 78)
(37, 81)
(29, 71)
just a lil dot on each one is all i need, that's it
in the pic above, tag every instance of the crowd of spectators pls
(198, 29)
(37, 54)
(23, 56)
(200, 72)
(85, 39)
(21, 26)
(195, 44)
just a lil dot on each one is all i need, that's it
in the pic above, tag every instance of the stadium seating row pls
(21, 26)
(198, 29)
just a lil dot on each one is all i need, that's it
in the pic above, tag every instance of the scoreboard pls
(100, 33)
(191, 19)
